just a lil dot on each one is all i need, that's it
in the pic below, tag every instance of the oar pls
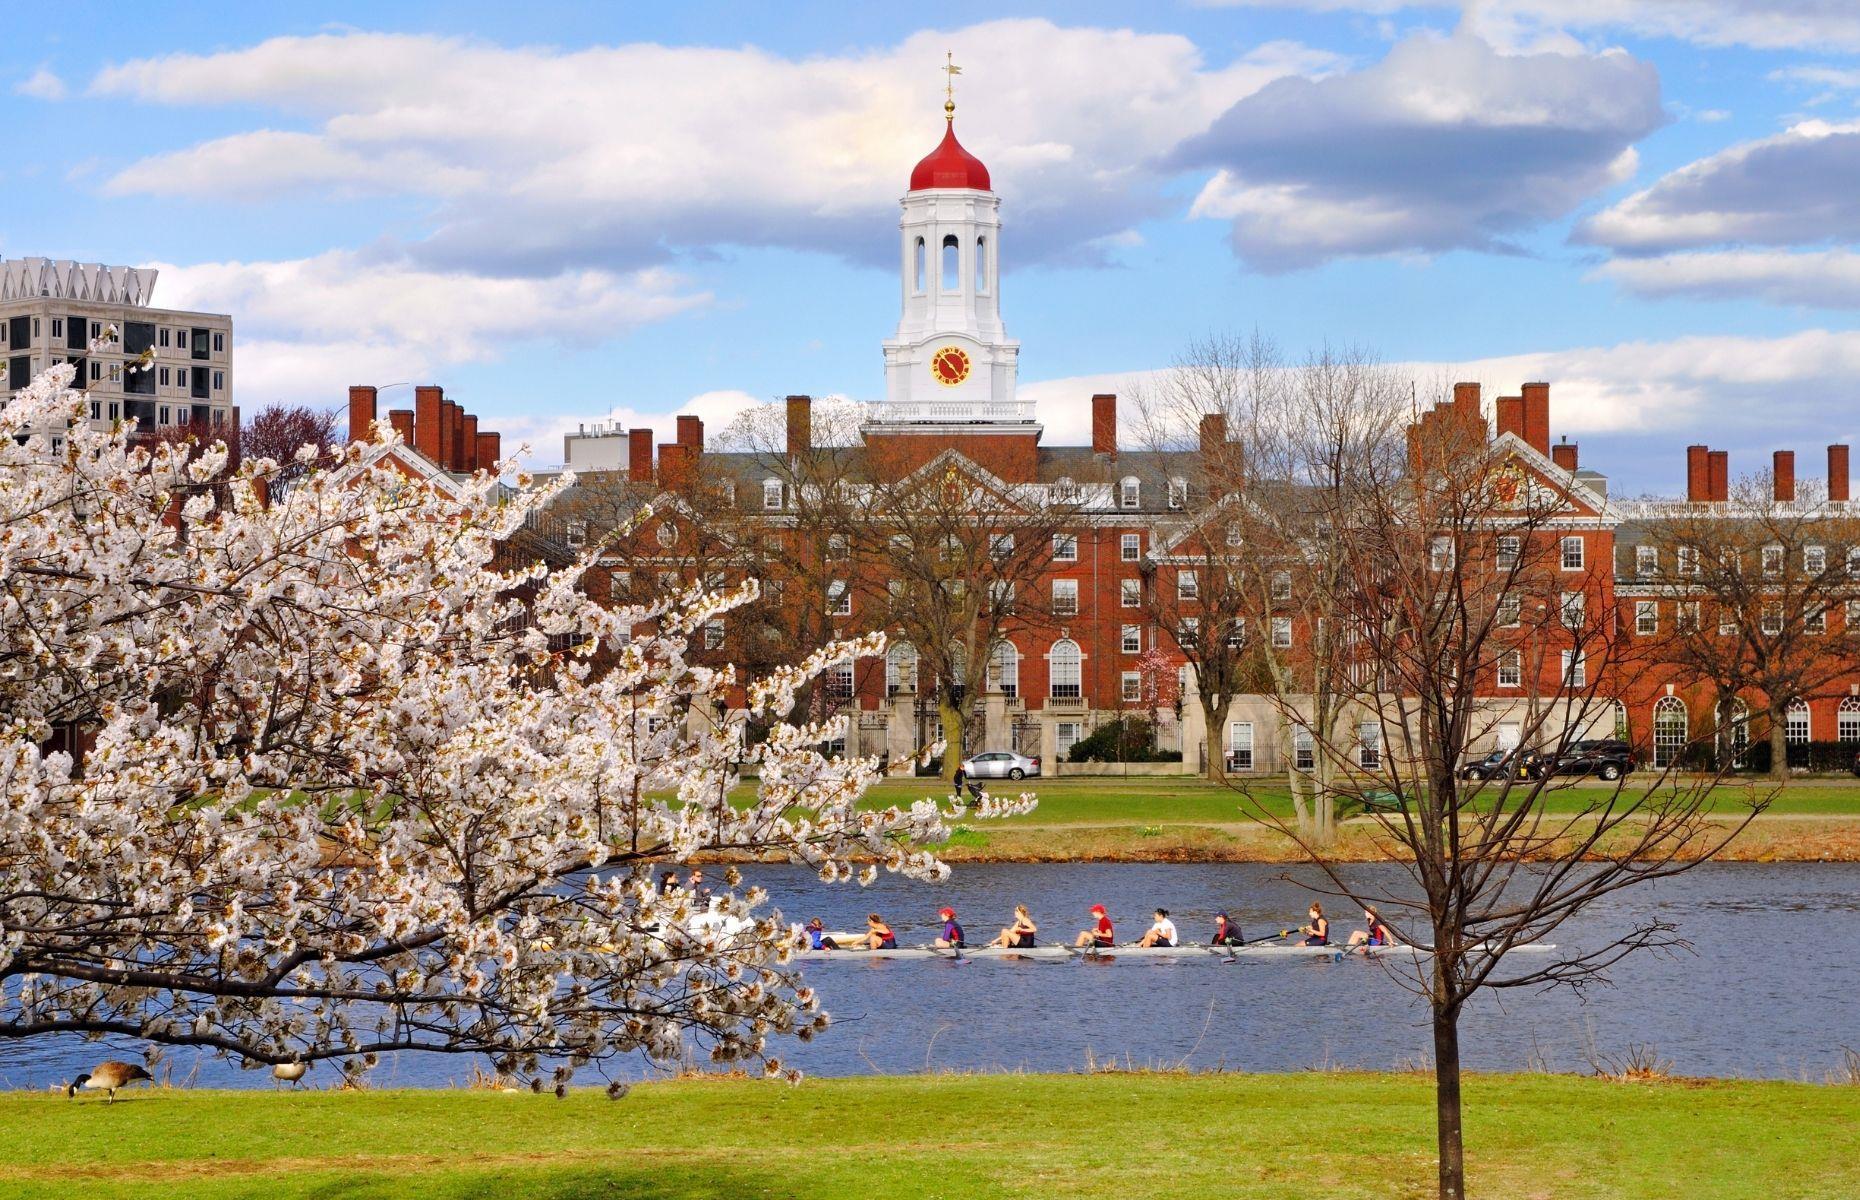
(1271, 937)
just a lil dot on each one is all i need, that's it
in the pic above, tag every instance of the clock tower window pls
(920, 266)
(981, 266)
(952, 257)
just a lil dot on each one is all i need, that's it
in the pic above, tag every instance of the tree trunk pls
(949, 717)
(1213, 711)
(1447, 1102)
(1779, 743)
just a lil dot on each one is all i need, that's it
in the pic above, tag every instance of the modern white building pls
(57, 310)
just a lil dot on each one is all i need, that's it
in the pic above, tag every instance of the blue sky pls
(563, 211)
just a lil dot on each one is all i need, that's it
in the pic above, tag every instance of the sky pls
(569, 212)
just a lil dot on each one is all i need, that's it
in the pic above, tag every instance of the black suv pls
(1605, 758)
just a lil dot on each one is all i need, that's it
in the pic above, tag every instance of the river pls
(1770, 987)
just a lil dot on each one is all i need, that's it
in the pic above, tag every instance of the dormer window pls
(1178, 492)
(771, 494)
(1129, 492)
(1065, 491)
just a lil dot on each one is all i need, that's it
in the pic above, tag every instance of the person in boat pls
(699, 892)
(816, 934)
(668, 883)
(1226, 933)
(951, 938)
(878, 935)
(1373, 933)
(1102, 934)
(1019, 935)
(1317, 933)
(1161, 933)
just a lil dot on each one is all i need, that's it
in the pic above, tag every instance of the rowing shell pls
(1133, 951)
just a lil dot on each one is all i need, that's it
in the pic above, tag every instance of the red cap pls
(949, 166)
(1098, 908)
(946, 913)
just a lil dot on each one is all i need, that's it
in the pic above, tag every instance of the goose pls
(290, 1072)
(107, 1077)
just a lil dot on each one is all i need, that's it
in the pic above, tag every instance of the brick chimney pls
(1718, 468)
(1213, 433)
(361, 412)
(1511, 415)
(468, 444)
(490, 450)
(402, 421)
(1698, 474)
(691, 433)
(1104, 424)
(448, 434)
(639, 455)
(676, 463)
(1537, 416)
(1564, 454)
(428, 400)
(1837, 472)
(1782, 475)
(800, 424)
(1466, 408)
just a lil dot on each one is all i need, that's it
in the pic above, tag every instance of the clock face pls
(950, 365)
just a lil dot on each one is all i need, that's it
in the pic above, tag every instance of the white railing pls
(948, 412)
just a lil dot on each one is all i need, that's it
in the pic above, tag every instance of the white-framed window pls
(839, 680)
(1511, 669)
(1847, 720)
(1772, 621)
(1065, 547)
(1236, 537)
(1004, 669)
(1852, 614)
(666, 534)
(1065, 597)
(1187, 585)
(1688, 557)
(1001, 593)
(1509, 548)
(1066, 734)
(1814, 560)
(1304, 750)
(1796, 732)
(1240, 745)
(1129, 492)
(1178, 492)
(1646, 616)
(1132, 686)
(713, 635)
(1508, 612)
(839, 546)
(1646, 560)
(1572, 553)
(1439, 553)
(1669, 730)
(1130, 593)
(1574, 606)
(1281, 632)
(1131, 642)
(839, 599)
(1727, 621)
(576, 534)
(1065, 670)
(1772, 559)
(771, 493)
(1130, 547)
(1575, 673)
(1065, 490)
(1369, 745)
(1191, 631)
(1281, 585)
(1686, 616)
(1236, 633)
(900, 667)
(1853, 560)
(1001, 545)
(1816, 621)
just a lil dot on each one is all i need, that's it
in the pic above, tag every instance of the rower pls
(1019, 935)
(1162, 932)
(1226, 933)
(817, 939)
(878, 935)
(952, 931)
(1375, 932)
(1317, 933)
(1102, 935)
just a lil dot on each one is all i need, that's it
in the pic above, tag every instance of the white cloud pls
(1814, 278)
(1795, 187)
(42, 84)
(1444, 144)
(539, 159)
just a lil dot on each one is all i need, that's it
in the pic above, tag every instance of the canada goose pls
(290, 1072)
(108, 1077)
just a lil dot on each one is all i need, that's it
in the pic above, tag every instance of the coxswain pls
(1102, 934)
(1161, 933)
(952, 931)
(878, 935)
(1373, 933)
(1019, 935)
(1226, 933)
(1317, 933)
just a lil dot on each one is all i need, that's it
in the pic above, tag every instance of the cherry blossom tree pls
(318, 778)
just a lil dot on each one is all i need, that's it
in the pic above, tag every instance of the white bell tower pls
(951, 361)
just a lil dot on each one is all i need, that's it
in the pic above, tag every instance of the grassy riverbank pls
(1114, 1136)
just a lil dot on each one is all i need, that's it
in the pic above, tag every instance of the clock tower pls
(950, 367)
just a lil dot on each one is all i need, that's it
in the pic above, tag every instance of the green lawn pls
(1120, 1137)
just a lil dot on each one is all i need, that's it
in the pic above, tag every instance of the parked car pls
(1001, 764)
(1520, 764)
(1605, 758)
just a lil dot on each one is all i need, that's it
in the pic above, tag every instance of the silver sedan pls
(1001, 764)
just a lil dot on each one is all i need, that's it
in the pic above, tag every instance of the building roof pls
(64, 279)
(949, 166)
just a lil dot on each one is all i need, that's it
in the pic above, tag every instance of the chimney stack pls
(800, 424)
(676, 460)
(1511, 415)
(1104, 425)
(639, 455)
(1564, 455)
(691, 433)
(361, 413)
(1537, 416)
(1213, 433)
(468, 443)
(1718, 467)
(448, 435)
(1837, 472)
(1782, 476)
(1698, 474)
(428, 400)
(402, 421)
(490, 450)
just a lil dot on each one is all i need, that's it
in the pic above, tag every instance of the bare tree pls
(1761, 598)
(279, 431)
(1451, 579)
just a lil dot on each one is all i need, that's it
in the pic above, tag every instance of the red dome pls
(949, 166)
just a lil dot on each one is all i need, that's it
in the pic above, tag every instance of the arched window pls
(1004, 670)
(1796, 733)
(1733, 732)
(1065, 665)
(900, 667)
(1847, 720)
(981, 266)
(922, 254)
(1669, 730)
(952, 264)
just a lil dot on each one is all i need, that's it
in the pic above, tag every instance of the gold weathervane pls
(949, 85)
